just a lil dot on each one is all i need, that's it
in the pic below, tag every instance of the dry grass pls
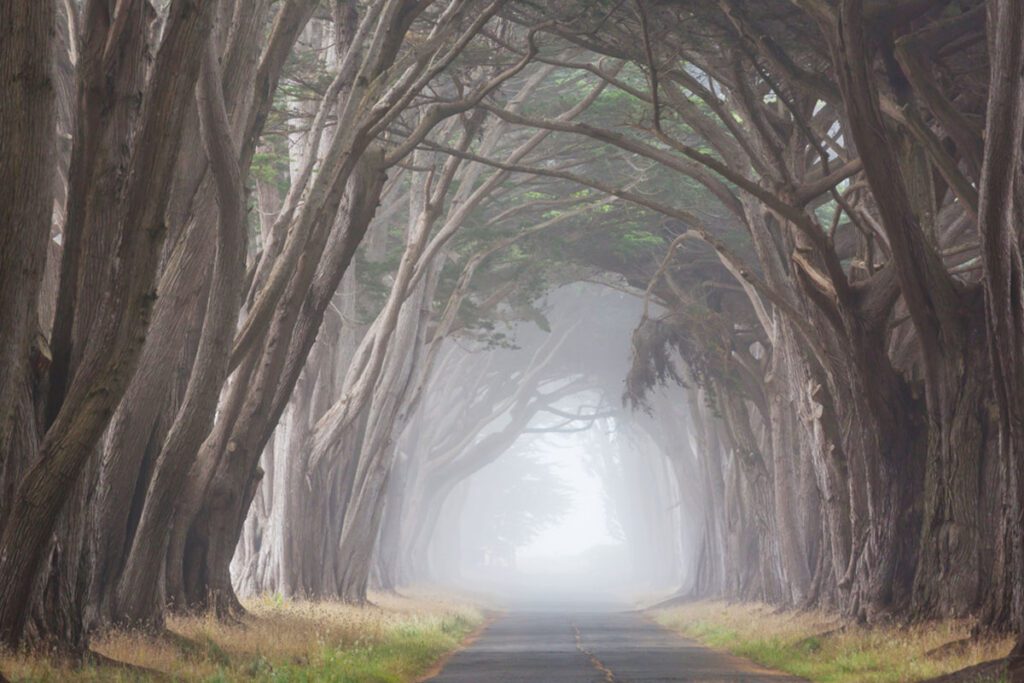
(820, 647)
(393, 641)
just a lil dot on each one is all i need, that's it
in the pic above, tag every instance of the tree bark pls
(113, 351)
(139, 598)
(999, 221)
(27, 131)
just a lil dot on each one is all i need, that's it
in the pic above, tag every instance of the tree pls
(116, 335)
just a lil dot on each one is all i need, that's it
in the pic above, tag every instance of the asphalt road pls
(591, 647)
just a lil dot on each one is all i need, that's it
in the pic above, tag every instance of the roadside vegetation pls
(394, 640)
(822, 648)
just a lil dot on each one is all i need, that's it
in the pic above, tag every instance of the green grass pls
(821, 648)
(395, 641)
(406, 653)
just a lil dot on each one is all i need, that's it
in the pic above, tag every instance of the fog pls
(551, 491)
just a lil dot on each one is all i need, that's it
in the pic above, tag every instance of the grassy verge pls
(394, 641)
(819, 647)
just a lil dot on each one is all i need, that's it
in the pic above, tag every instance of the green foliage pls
(270, 165)
(633, 241)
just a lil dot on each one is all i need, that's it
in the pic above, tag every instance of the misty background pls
(575, 503)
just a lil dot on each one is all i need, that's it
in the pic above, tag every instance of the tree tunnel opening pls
(540, 525)
(525, 476)
(588, 529)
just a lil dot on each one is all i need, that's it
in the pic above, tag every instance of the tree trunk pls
(114, 347)
(139, 598)
(27, 133)
(1001, 214)
(242, 432)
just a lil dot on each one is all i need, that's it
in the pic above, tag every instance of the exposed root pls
(954, 647)
(996, 670)
(192, 648)
(98, 659)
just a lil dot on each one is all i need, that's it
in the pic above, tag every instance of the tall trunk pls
(1001, 214)
(754, 522)
(956, 542)
(388, 546)
(139, 598)
(27, 133)
(711, 569)
(363, 518)
(145, 415)
(140, 424)
(109, 85)
(221, 486)
(794, 557)
(949, 576)
(113, 349)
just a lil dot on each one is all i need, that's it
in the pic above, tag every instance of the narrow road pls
(539, 647)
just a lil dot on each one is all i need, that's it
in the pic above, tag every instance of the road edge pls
(438, 667)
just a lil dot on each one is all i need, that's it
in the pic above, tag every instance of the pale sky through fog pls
(584, 525)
